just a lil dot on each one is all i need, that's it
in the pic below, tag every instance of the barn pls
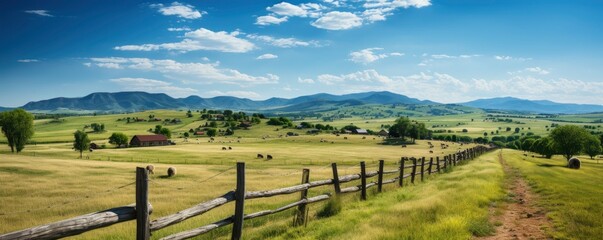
(383, 133)
(148, 140)
(360, 131)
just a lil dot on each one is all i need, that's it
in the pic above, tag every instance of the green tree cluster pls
(17, 126)
(118, 139)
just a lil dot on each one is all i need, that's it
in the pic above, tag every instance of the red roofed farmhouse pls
(148, 140)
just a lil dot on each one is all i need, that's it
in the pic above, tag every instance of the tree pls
(400, 128)
(166, 132)
(592, 146)
(569, 140)
(186, 134)
(17, 126)
(118, 139)
(81, 142)
(157, 129)
(517, 130)
(544, 146)
(211, 132)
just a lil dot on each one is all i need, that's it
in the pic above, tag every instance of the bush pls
(332, 208)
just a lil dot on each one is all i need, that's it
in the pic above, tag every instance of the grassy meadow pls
(571, 197)
(48, 182)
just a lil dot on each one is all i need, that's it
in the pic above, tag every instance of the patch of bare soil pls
(521, 218)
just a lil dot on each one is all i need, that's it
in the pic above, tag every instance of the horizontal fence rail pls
(408, 168)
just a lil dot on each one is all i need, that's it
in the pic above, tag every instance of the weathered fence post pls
(414, 170)
(422, 168)
(430, 165)
(301, 209)
(362, 181)
(335, 178)
(438, 164)
(401, 178)
(143, 231)
(380, 176)
(237, 227)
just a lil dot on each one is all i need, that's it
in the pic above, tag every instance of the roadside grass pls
(572, 198)
(448, 206)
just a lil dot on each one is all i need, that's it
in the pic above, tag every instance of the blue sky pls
(442, 50)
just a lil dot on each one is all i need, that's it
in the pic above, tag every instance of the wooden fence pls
(141, 210)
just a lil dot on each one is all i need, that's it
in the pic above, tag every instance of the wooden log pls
(335, 178)
(143, 231)
(363, 180)
(386, 172)
(357, 188)
(224, 222)
(237, 227)
(301, 209)
(191, 212)
(401, 176)
(77, 225)
(438, 164)
(380, 177)
(414, 170)
(422, 168)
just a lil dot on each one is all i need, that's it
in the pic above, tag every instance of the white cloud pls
(305, 80)
(266, 56)
(241, 94)
(509, 58)
(537, 70)
(367, 76)
(396, 3)
(463, 56)
(87, 64)
(151, 85)
(27, 60)
(179, 9)
(336, 20)
(43, 13)
(181, 29)
(283, 42)
(192, 72)
(368, 55)
(200, 39)
(287, 9)
(269, 19)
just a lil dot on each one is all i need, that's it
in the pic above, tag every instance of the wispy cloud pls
(187, 72)
(28, 60)
(241, 94)
(338, 21)
(178, 9)
(283, 42)
(180, 29)
(200, 39)
(43, 13)
(266, 56)
(152, 85)
(269, 19)
(368, 55)
(509, 58)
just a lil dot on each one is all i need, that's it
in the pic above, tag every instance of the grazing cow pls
(91, 150)
(430, 151)
(363, 137)
(268, 157)
(229, 148)
(260, 156)
(151, 169)
(223, 148)
(403, 145)
(346, 138)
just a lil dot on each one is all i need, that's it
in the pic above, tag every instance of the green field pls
(47, 182)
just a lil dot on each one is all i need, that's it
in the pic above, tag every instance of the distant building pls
(383, 133)
(94, 146)
(198, 133)
(148, 140)
(360, 131)
(245, 125)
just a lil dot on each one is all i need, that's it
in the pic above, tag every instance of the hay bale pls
(171, 171)
(574, 163)
(151, 169)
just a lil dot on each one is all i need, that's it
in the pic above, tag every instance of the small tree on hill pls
(211, 132)
(118, 139)
(166, 132)
(592, 146)
(17, 126)
(569, 140)
(81, 142)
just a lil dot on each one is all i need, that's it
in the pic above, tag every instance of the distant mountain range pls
(138, 101)
(535, 106)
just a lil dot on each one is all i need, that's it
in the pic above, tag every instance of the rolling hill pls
(137, 101)
(534, 106)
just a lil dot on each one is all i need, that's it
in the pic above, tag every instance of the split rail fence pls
(140, 211)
